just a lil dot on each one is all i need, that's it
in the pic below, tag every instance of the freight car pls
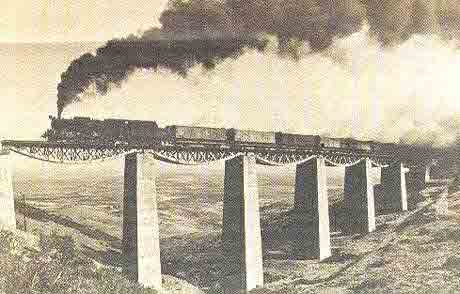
(353, 144)
(296, 140)
(327, 142)
(236, 136)
(195, 134)
(346, 143)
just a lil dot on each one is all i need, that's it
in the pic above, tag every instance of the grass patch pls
(56, 267)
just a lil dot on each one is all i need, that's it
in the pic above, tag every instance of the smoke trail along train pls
(198, 32)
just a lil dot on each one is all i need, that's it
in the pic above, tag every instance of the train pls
(144, 133)
(115, 131)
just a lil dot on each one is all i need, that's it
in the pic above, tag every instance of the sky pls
(73, 21)
(39, 38)
(354, 88)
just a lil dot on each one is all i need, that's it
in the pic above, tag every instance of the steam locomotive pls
(145, 133)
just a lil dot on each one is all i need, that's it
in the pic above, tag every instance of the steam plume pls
(207, 31)
(114, 62)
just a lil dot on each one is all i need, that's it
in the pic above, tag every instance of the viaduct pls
(241, 233)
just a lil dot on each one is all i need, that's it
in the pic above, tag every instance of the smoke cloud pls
(395, 21)
(193, 33)
(208, 31)
(355, 88)
(114, 62)
(391, 37)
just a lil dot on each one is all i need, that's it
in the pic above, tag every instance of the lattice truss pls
(197, 156)
(186, 155)
(67, 154)
(192, 156)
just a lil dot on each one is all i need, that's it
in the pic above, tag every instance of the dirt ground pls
(413, 252)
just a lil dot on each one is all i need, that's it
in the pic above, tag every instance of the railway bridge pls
(241, 233)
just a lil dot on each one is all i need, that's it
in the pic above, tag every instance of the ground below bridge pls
(418, 251)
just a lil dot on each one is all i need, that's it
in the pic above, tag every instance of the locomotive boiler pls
(116, 131)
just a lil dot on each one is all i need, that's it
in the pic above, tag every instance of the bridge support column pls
(312, 210)
(141, 242)
(359, 197)
(241, 232)
(418, 177)
(7, 213)
(393, 179)
(428, 173)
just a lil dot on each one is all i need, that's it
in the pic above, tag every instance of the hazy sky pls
(70, 20)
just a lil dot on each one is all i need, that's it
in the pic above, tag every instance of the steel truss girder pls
(187, 154)
(64, 154)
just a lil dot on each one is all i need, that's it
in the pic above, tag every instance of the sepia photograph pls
(229, 146)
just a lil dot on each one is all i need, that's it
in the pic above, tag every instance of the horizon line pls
(31, 42)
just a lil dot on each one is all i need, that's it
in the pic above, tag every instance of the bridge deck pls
(203, 145)
(205, 151)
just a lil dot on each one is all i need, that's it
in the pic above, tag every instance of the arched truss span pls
(192, 157)
(195, 153)
(75, 154)
(70, 155)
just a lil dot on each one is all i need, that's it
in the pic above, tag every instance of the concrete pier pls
(7, 215)
(141, 243)
(393, 180)
(241, 232)
(312, 210)
(428, 173)
(359, 198)
(418, 177)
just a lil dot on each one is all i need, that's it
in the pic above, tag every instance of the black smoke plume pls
(207, 31)
(114, 62)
